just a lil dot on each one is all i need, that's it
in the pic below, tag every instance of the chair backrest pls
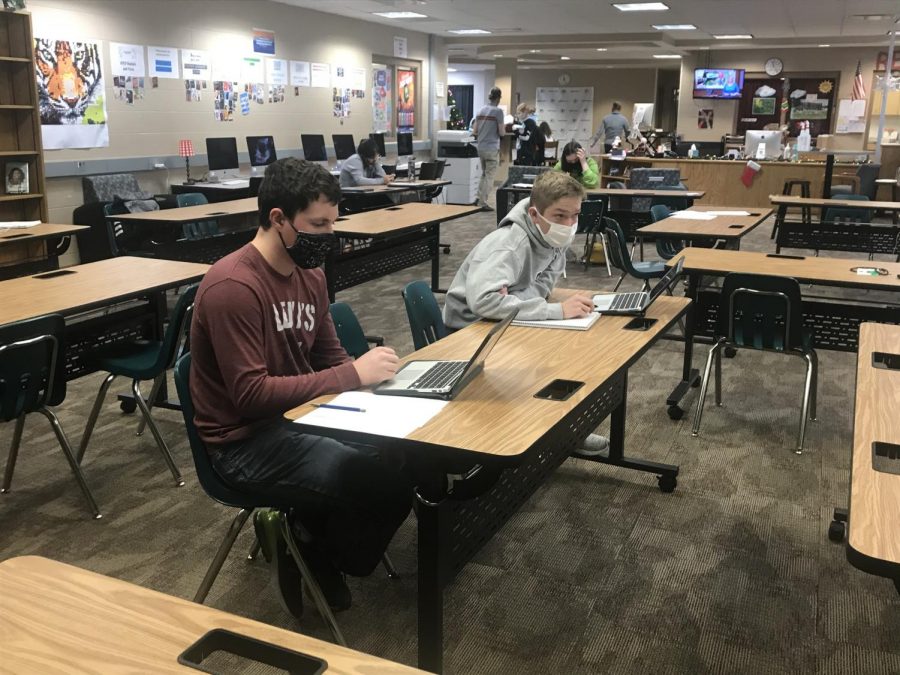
(659, 212)
(349, 332)
(32, 365)
(761, 311)
(175, 337)
(590, 219)
(428, 170)
(554, 146)
(674, 203)
(845, 215)
(441, 165)
(425, 320)
(254, 183)
(197, 229)
(104, 188)
(868, 173)
(617, 253)
(209, 479)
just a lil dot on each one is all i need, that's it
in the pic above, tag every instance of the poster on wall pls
(705, 118)
(340, 99)
(263, 41)
(127, 60)
(128, 89)
(406, 100)
(850, 119)
(299, 73)
(163, 62)
(70, 94)
(192, 90)
(339, 76)
(568, 110)
(320, 75)
(763, 106)
(224, 100)
(194, 64)
(277, 71)
(252, 69)
(382, 109)
(357, 78)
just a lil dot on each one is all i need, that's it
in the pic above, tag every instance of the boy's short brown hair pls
(552, 186)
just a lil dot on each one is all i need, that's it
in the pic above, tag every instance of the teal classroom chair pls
(762, 312)
(425, 320)
(145, 360)
(32, 378)
(197, 229)
(666, 247)
(617, 256)
(349, 332)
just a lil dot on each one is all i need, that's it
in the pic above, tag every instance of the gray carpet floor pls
(599, 572)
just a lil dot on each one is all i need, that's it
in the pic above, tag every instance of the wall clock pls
(564, 79)
(774, 66)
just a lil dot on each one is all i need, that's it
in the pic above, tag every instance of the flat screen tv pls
(718, 83)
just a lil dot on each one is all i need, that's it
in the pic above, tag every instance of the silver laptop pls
(635, 304)
(443, 379)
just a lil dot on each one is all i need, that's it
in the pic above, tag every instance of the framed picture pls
(16, 178)
(764, 106)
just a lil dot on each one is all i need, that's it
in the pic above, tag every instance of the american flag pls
(859, 89)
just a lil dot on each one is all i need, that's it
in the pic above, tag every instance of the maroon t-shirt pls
(261, 344)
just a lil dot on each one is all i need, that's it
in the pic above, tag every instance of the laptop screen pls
(476, 363)
(665, 282)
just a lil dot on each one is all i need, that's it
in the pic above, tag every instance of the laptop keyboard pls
(628, 300)
(440, 375)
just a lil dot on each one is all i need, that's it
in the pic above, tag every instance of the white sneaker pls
(594, 445)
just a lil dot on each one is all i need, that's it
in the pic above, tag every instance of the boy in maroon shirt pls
(263, 342)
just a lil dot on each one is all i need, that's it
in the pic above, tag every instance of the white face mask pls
(559, 235)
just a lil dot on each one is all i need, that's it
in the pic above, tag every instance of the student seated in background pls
(577, 164)
(519, 263)
(364, 168)
(548, 138)
(263, 342)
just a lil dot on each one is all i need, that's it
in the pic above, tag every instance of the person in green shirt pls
(577, 164)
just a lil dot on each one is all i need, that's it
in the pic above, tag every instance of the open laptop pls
(635, 304)
(443, 379)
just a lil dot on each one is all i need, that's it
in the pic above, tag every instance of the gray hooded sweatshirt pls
(515, 256)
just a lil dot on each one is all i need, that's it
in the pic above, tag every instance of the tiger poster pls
(70, 92)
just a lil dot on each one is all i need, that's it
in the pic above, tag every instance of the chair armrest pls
(376, 340)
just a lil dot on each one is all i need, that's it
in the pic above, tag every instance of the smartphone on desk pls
(559, 390)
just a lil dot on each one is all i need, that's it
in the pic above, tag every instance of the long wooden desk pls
(834, 322)
(857, 237)
(873, 542)
(730, 229)
(76, 291)
(62, 619)
(486, 452)
(28, 250)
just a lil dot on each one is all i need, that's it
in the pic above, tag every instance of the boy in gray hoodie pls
(519, 263)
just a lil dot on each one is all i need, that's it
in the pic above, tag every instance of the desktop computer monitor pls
(313, 147)
(379, 143)
(770, 139)
(344, 146)
(261, 149)
(404, 144)
(222, 157)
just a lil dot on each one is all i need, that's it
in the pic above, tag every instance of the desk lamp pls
(186, 150)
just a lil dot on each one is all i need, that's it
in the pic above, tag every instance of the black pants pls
(346, 496)
(607, 148)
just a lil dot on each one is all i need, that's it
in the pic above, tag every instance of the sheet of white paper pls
(727, 213)
(522, 185)
(692, 215)
(569, 324)
(18, 224)
(393, 416)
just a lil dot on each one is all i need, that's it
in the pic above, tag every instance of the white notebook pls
(565, 324)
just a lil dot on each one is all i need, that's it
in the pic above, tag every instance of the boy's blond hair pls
(552, 186)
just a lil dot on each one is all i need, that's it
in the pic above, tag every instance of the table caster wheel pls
(730, 352)
(836, 531)
(675, 413)
(128, 405)
(667, 483)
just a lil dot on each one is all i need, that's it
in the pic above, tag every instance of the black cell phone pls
(735, 227)
(204, 655)
(342, 218)
(789, 257)
(639, 323)
(559, 390)
(217, 213)
(886, 361)
(886, 457)
(392, 208)
(55, 273)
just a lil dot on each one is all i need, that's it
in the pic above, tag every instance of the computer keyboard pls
(238, 181)
(628, 300)
(440, 375)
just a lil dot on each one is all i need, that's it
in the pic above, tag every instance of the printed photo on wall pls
(705, 118)
(276, 93)
(192, 91)
(223, 105)
(16, 178)
(340, 99)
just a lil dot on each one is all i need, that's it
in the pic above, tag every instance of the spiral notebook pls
(583, 323)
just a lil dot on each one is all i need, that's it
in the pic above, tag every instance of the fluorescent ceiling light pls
(451, 70)
(400, 15)
(824, 45)
(675, 26)
(895, 32)
(640, 6)
(871, 17)
(565, 58)
(666, 56)
(535, 51)
(498, 56)
(601, 49)
(470, 31)
(737, 36)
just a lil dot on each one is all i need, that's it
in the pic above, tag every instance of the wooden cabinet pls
(20, 124)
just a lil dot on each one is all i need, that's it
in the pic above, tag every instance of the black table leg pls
(778, 226)
(435, 258)
(431, 590)
(690, 377)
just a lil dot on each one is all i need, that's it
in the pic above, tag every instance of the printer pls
(463, 168)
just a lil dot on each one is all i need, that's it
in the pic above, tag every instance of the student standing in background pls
(614, 124)
(488, 129)
(531, 140)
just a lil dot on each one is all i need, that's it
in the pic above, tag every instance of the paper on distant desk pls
(729, 213)
(18, 224)
(693, 215)
(394, 416)
(568, 324)
(523, 185)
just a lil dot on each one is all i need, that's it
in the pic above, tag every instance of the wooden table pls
(873, 542)
(27, 250)
(488, 450)
(219, 192)
(75, 291)
(62, 619)
(834, 322)
(856, 237)
(729, 229)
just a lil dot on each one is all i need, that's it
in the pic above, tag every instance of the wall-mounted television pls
(718, 83)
